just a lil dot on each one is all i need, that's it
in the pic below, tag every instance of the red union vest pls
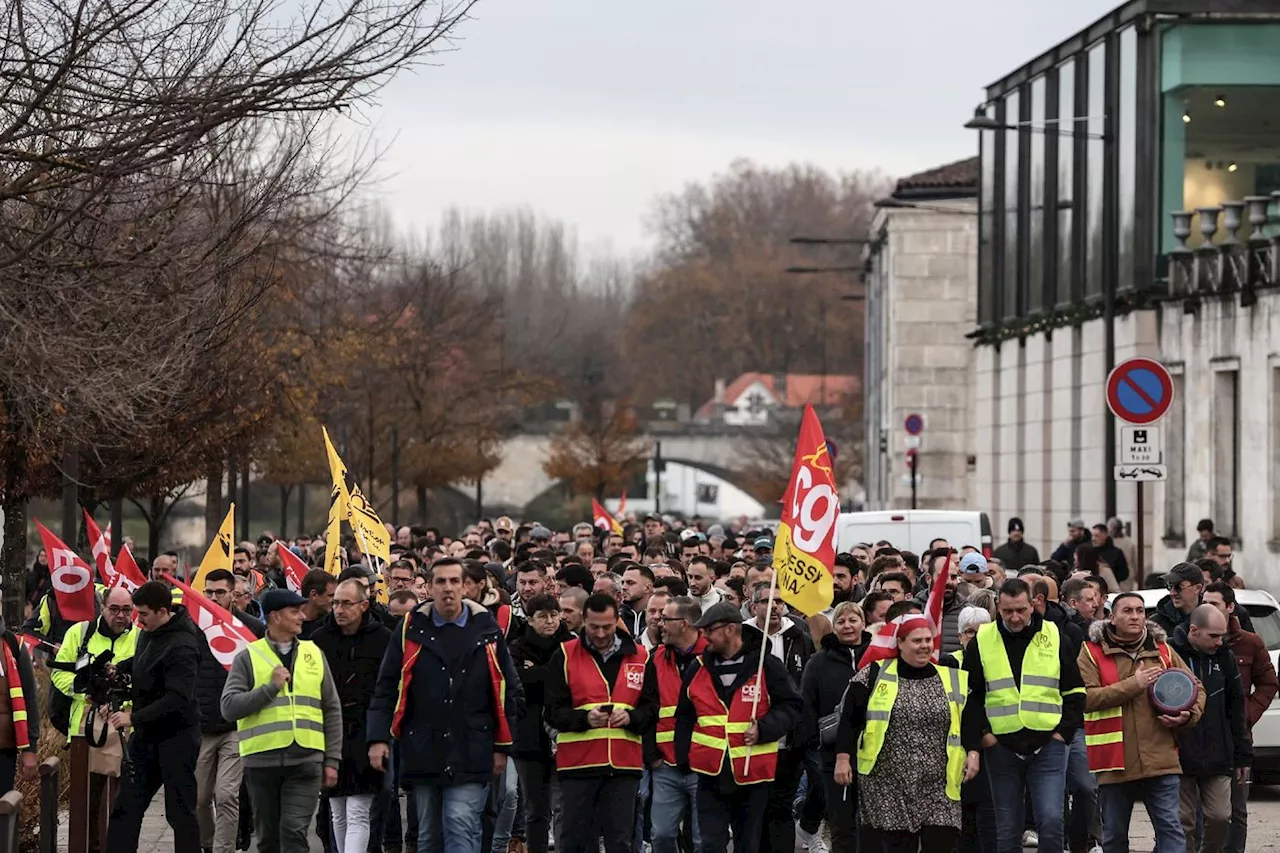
(502, 613)
(1104, 729)
(669, 681)
(604, 747)
(719, 730)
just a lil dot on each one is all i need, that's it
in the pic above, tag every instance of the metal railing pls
(10, 821)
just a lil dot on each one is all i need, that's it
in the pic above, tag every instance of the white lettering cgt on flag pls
(69, 573)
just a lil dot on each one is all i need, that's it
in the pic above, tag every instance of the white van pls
(913, 529)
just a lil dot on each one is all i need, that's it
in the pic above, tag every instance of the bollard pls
(10, 820)
(50, 770)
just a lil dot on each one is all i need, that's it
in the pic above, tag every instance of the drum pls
(1173, 692)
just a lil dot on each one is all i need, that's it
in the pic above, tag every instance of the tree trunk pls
(71, 498)
(284, 511)
(244, 502)
(14, 556)
(302, 508)
(422, 504)
(213, 509)
(117, 527)
(155, 520)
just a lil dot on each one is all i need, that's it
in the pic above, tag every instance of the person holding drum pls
(1138, 694)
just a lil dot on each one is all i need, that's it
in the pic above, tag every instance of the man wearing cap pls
(728, 725)
(596, 698)
(1118, 663)
(1017, 552)
(1077, 535)
(1185, 583)
(1026, 693)
(281, 696)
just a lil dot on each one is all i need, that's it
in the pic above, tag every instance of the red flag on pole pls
(603, 520)
(128, 575)
(100, 542)
(933, 609)
(71, 577)
(226, 634)
(294, 569)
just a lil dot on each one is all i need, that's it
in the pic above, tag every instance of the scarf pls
(19, 702)
(1132, 647)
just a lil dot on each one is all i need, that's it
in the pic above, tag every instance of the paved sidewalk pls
(156, 835)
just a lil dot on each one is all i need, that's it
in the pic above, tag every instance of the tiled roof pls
(798, 389)
(960, 175)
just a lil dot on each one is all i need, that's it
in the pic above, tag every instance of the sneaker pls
(812, 841)
(1030, 838)
(1097, 848)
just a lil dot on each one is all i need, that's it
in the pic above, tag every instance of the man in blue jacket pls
(1218, 747)
(449, 692)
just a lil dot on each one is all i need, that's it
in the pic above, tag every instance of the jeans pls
(1083, 787)
(1210, 796)
(218, 775)
(284, 800)
(1044, 774)
(779, 832)
(1160, 794)
(171, 763)
(541, 802)
(724, 806)
(505, 795)
(449, 817)
(674, 799)
(351, 823)
(1239, 832)
(597, 807)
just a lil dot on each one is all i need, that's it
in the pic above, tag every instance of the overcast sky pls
(585, 109)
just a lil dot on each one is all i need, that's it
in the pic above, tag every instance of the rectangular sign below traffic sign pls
(1140, 445)
(1141, 473)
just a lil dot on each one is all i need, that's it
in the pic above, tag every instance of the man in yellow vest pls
(596, 698)
(1028, 699)
(728, 725)
(112, 632)
(281, 696)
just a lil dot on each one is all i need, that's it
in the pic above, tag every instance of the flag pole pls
(766, 648)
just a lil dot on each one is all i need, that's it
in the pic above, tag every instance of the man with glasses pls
(242, 597)
(400, 576)
(218, 769)
(1185, 583)
(113, 632)
(673, 791)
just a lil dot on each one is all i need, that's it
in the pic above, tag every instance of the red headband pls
(909, 622)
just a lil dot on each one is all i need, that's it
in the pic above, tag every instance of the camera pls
(103, 686)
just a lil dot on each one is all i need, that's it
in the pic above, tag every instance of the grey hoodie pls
(240, 699)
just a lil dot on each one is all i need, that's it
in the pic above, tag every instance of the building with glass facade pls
(1126, 208)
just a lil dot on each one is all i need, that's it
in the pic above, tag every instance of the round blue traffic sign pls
(914, 424)
(1139, 391)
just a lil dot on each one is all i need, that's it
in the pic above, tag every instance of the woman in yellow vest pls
(902, 720)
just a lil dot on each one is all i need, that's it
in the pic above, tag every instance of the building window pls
(1035, 199)
(1067, 282)
(1225, 506)
(1127, 144)
(986, 236)
(1095, 170)
(1012, 150)
(1175, 426)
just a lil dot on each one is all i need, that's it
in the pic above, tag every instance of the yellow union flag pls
(805, 550)
(371, 533)
(348, 503)
(339, 497)
(219, 554)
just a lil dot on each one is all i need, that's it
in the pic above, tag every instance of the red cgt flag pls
(602, 519)
(294, 569)
(128, 575)
(225, 634)
(805, 549)
(71, 577)
(100, 542)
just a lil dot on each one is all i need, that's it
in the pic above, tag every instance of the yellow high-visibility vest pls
(1034, 704)
(122, 648)
(884, 693)
(296, 715)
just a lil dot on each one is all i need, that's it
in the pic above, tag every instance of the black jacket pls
(1220, 741)
(558, 705)
(1169, 617)
(165, 668)
(1016, 555)
(1114, 557)
(1026, 741)
(354, 661)
(448, 734)
(826, 677)
(1070, 631)
(786, 708)
(531, 654)
(213, 677)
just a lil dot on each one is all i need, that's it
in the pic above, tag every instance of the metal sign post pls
(1140, 392)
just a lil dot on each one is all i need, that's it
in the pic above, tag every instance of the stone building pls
(921, 302)
(1116, 169)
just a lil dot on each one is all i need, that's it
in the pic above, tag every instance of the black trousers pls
(779, 831)
(170, 763)
(596, 807)
(535, 781)
(928, 840)
(842, 804)
(724, 805)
